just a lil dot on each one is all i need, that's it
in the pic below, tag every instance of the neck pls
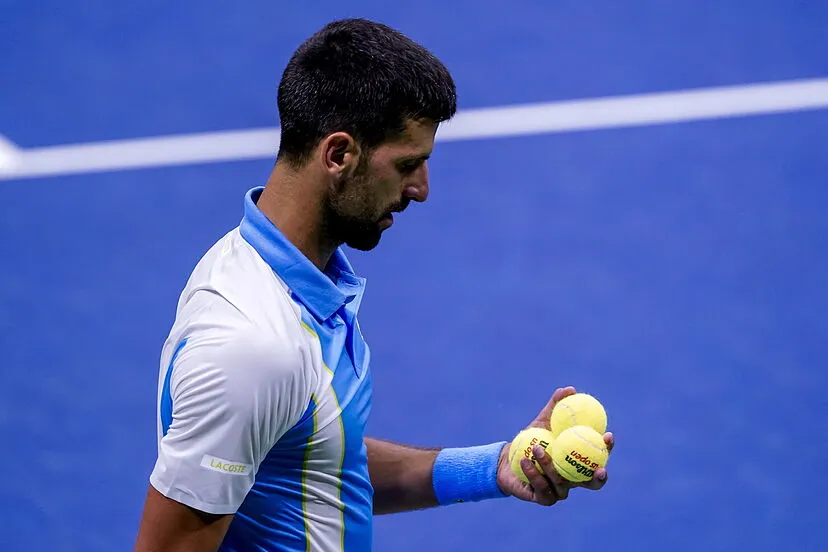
(293, 202)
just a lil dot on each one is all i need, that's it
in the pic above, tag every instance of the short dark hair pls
(360, 77)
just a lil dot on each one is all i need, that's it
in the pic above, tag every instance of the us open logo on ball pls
(582, 464)
(580, 452)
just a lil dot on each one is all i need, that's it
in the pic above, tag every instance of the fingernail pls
(540, 454)
(602, 475)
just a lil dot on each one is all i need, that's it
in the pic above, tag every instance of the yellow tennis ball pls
(578, 409)
(523, 445)
(578, 452)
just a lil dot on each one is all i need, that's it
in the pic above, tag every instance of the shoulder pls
(242, 359)
(238, 325)
(234, 280)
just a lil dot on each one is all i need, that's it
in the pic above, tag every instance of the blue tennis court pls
(678, 272)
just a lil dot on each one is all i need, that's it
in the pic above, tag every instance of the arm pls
(171, 526)
(401, 476)
(409, 478)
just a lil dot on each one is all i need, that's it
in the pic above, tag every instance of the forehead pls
(416, 140)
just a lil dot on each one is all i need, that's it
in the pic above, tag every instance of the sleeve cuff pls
(187, 498)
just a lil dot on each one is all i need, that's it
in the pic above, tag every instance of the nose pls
(417, 187)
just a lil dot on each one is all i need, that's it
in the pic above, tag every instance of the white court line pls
(9, 155)
(210, 147)
(493, 122)
(640, 110)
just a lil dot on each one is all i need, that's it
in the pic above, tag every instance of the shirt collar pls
(322, 293)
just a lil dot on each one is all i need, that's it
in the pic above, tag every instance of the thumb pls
(542, 418)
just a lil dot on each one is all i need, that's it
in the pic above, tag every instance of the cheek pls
(380, 191)
(388, 188)
(367, 199)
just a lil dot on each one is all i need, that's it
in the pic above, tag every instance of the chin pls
(363, 245)
(364, 242)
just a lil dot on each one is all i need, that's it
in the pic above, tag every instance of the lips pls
(390, 214)
(387, 221)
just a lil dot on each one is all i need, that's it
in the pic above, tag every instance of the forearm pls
(401, 476)
(410, 478)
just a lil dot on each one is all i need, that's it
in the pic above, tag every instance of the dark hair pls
(363, 78)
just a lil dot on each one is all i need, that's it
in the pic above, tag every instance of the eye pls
(409, 167)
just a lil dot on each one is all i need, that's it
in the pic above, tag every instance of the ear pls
(340, 155)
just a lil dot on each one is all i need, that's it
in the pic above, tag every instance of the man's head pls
(359, 105)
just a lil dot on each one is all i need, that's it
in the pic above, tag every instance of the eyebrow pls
(409, 158)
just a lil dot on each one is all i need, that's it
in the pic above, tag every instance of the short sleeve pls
(232, 397)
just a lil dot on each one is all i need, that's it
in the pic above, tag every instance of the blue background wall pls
(677, 272)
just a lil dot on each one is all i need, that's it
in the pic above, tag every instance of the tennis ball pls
(522, 446)
(578, 409)
(579, 451)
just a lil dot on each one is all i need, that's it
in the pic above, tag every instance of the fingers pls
(599, 479)
(609, 440)
(549, 486)
(557, 396)
(545, 494)
(560, 485)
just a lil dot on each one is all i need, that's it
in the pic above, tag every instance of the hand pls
(546, 487)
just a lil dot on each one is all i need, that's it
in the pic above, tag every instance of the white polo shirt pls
(263, 395)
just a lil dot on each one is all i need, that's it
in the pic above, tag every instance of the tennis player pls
(265, 379)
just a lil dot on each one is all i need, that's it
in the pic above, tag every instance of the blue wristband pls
(467, 474)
